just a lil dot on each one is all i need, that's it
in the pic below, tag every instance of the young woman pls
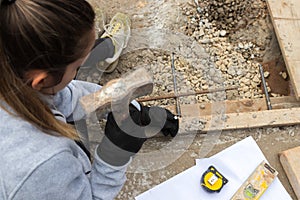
(42, 45)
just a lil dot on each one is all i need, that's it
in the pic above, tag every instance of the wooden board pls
(241, 114)
(266, 118)
(285, 16)
(291, 165)
(239, 106)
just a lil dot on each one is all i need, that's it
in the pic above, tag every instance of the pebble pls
(256, 79)
(283, 75)
(204, 87)
(240, 45)
(291, 133)
(138, 17)
(205, 41)
(201, 32)
(266, 74)
(222, 33)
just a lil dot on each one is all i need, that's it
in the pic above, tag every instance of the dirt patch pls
(278, 79)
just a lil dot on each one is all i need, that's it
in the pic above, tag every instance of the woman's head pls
(46, 35)
(44, 39)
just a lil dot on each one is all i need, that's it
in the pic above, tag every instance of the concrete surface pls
(271, 141)
(169, 160)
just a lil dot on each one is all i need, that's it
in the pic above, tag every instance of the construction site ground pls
(234, 31)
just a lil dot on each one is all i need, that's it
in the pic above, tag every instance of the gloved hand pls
(118, 146)
(158, 115)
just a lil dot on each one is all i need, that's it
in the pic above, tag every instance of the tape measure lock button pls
(212, 180)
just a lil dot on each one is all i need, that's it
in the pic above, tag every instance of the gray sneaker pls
(118, 30)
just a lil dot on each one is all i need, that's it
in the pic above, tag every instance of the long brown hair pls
(40, 34)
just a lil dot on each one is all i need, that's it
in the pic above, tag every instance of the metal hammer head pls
(119, 91)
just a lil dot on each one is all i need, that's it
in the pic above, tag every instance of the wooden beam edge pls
(290, 170)
(266, 118)
(238, 114)
(284, 53)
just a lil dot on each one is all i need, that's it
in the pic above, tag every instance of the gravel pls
(220, 46)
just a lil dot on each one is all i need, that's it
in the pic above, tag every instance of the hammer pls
(117, 94)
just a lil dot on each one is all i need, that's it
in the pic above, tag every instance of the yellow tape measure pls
(212, 180)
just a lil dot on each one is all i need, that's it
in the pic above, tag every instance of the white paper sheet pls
(236, 163)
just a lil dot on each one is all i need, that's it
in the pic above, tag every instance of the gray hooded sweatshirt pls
(38, 166)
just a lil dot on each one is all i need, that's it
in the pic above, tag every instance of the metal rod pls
(265, 87)
(178, 110)
(172, 95)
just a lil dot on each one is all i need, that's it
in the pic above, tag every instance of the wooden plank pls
(291, 165)
(230, 115)
(266, 118)
(289, 42)
(238, 106)
(287, 9)
(289, 39)
(285, 16)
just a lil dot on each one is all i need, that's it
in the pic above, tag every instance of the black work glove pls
(119, 144)
(130, 140)
(158, 115)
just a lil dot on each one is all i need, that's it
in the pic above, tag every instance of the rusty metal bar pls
(265, 87)
(173, 95)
